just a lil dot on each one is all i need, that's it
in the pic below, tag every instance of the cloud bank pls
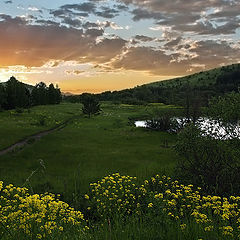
(192, 35)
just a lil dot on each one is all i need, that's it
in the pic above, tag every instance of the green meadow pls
(85, 150)
(15, 125)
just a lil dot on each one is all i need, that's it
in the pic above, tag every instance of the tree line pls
(15, 94)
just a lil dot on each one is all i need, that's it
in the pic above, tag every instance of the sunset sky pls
(99, 45)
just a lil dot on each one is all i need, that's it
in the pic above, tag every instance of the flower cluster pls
(160, 195)
(182, 203)
(116, 194)
(35, 216)
(45, 216)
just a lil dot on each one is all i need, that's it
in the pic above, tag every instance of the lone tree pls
(91, 105)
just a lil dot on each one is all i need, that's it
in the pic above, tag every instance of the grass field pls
(84, 151)
(15, 126)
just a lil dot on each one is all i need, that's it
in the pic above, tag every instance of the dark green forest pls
(15, 94)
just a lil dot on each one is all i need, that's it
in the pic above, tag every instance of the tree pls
(52, 97)
(91, 106)
(209, 163)
(58, 95)
(11, 91)
(213, 162)
(2, 96)
(54, 94)
(40, 94)
(17, 95)
(225, 111)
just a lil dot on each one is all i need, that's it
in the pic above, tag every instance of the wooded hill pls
(198, 87)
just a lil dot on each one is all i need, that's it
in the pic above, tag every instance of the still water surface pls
(209, 127)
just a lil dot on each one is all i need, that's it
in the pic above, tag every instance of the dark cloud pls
(143, 59)
(188, 56)
(107, 12)
(72, 22)
(228, 12)
(229, 27)
(94, 32)
(60, 13)
(75, 72)
(70, 10)
(178, 19)
(143, 38)
(212, 53)
(121, 7)
(153, 61)
(181, 6)
(89, 25)
(106, 50)
(209, 28)
(34, 45)
(84, 9)
(140, 13)
(47, 22)
(134, 41)
(16, 20)
(173, 43)
(202, 17)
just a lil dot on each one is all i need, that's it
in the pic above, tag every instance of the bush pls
(207, 162)
(24, 216)
(19, 110)
(133, 101)
(91, 106)
(163, 120)
(42, 120)
(164, 123)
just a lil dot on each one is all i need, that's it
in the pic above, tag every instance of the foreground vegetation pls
(121, 207)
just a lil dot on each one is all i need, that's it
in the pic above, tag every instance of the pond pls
(208, 126)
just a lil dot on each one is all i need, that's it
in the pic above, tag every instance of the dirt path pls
(31, 139)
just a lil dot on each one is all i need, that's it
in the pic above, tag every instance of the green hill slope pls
(205, 78)
(196, 87)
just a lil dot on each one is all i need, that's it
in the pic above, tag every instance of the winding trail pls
(32, 138)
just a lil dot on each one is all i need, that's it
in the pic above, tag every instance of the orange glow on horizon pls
(88, 82)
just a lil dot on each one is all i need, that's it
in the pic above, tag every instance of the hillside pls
(198, 87)
(203, 78)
